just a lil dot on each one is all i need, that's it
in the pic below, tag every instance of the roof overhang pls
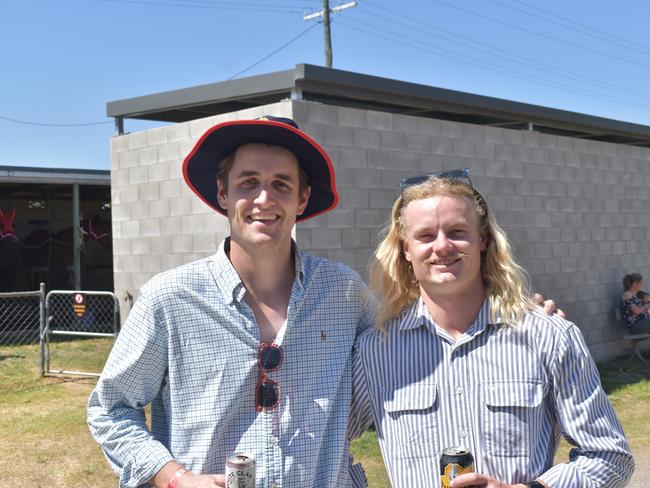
(344, 88)
(19, 174)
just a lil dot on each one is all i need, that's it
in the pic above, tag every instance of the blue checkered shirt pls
(506, 393)
(189, 348)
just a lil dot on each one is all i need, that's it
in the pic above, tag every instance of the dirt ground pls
(642, 468)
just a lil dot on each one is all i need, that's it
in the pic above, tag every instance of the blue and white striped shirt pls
(189, 347)
(506, 393)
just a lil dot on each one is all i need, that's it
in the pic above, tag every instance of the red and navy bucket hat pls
(201, 164)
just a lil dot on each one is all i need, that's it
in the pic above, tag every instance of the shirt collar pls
(228, 280)
(417, 315)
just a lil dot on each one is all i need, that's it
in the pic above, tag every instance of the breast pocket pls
(410, 424)
(510, 410)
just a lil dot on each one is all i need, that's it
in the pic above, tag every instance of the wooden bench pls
(635, 339)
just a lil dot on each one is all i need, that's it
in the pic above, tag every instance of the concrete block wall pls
(576, 211)
(158, 222)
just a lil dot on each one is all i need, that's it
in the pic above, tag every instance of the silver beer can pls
(240, 471)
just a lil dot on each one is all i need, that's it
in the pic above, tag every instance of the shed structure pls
(571, 190)
(55, 227)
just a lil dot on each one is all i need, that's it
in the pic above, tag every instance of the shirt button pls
(273, 441)
(459, 390)
(463, 434)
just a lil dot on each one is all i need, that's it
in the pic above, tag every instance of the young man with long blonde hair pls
(464, 358)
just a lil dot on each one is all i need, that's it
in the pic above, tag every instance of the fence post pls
(116, 316)
(41, 308)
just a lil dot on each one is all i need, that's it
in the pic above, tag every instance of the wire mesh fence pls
(21, 315)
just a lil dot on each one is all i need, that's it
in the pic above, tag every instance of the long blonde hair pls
(391, 276)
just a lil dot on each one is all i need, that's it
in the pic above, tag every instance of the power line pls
(546, 36)
(613, 38)
(243, 7)
(211, 3)
(486, 48)
(275, 51)
(493, 67)
(43, 124)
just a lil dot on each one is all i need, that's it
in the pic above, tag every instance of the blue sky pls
(63, 60)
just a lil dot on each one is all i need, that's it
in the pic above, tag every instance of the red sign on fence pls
(78, 306)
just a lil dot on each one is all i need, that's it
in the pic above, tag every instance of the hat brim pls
(201, 164)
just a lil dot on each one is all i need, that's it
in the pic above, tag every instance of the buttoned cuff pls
(146, 461)
(564, 476)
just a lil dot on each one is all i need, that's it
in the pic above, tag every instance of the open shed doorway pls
(37, 232)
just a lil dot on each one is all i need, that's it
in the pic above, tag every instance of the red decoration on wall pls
(95, 228)
(7, 230)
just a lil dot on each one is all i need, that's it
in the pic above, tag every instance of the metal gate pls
(77, 313)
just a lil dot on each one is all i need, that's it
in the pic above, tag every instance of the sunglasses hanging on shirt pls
(267, 391)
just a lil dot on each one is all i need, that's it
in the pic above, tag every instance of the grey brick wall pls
(576, 211)
(158, 223)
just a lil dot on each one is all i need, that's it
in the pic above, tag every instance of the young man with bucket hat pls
(247, 350)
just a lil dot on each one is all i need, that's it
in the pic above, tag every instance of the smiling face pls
(263, 197)
(443, 243)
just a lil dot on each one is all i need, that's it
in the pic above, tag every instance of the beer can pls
(455, 461)
(240, 471)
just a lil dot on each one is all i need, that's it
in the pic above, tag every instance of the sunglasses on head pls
(267, 391)
(450, 174)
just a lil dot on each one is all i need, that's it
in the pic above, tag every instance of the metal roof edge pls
(318, 83)
(54, 175)
(202, 94)
(523, 110)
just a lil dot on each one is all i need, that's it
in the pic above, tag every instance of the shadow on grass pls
(82, 380)
(11, 356)
(44, 382)
(622, 372)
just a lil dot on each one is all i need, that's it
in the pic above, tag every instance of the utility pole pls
(327, 33)
(325, 13)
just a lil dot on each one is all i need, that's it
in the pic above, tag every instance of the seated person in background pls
(633, 310)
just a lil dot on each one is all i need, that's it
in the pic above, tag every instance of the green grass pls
(45, 440)
(365, 450)
(627, 383)
(43, 423)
